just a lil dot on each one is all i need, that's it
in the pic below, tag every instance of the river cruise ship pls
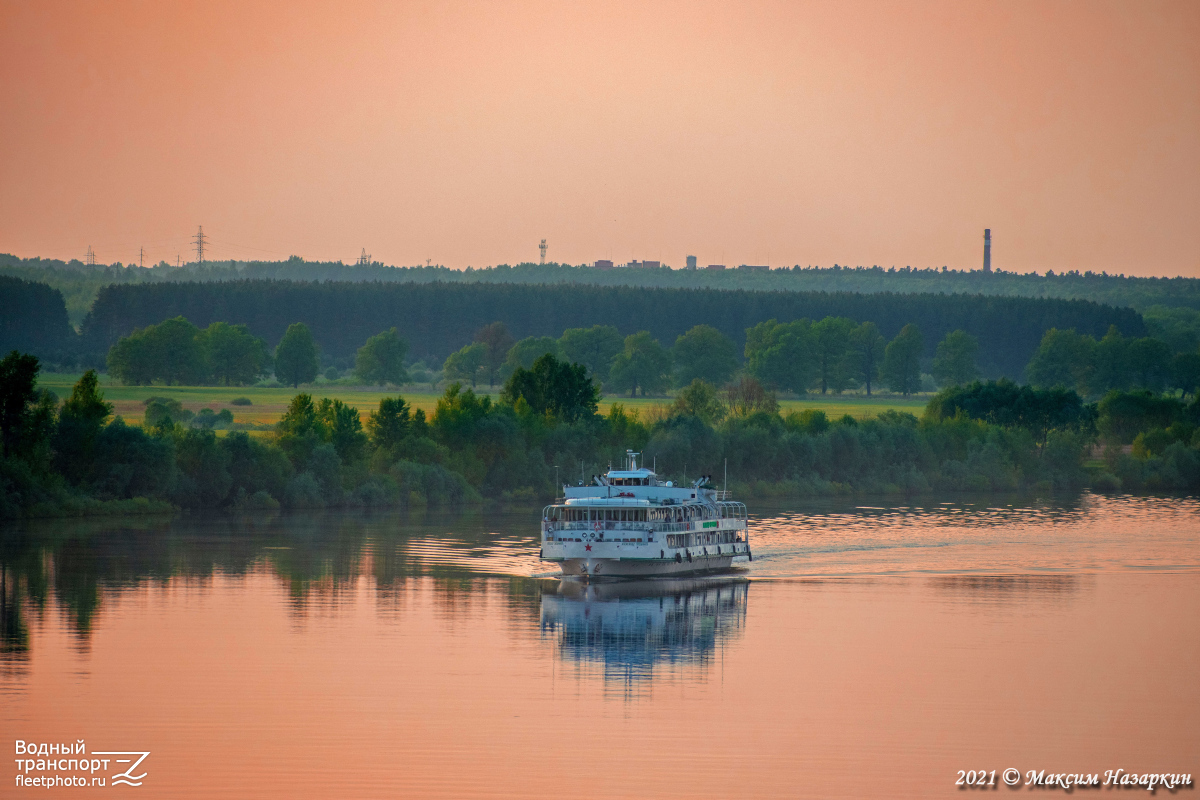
(628, 524)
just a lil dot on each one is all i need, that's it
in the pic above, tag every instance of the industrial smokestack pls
(987, 249)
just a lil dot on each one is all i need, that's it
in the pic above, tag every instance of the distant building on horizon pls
(635, 264)
(604, 264)
(691, 262)
(762, 267)
(987, 249)
(715, 266)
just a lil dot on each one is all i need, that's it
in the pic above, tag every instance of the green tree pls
(497, 341)
(555, 387)
(704, 354)
(1185, 372)
(86, 403)
(388, 426)
(782, 354)
(1064, 358)
(177, 349)
(170, 351)
(458, 415)
(1177, 326)
(1122, 415)
(699, 399)
(1111, 367)
(343, 428)
(1002, 402)
(643, 363)
(162, 413)
(26, 415)
(902, 361)
(747, 396)
(1150, 359)
(296, 359)
(522, 354)
(79, 427)
(831, 345)
(954, 363)
(300, 418)
(467, 364)
(235, 357)
(866, 348)
(594, 347)
(381, 359)
(131, 360)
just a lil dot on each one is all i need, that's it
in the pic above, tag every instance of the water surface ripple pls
(866, 651)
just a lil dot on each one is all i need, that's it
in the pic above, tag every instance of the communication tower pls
(542, 247)
(987, 249)
(364, 260)
(141, 256)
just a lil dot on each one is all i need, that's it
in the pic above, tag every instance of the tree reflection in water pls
(75, 566)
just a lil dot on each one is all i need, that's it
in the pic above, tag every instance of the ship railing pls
(608, 525)
(722, 494)
(659, 527)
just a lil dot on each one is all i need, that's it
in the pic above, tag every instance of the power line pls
(198, 241)
(90, 258)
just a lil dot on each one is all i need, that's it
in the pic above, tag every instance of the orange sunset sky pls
(799, 132)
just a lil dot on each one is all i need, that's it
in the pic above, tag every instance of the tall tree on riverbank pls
(594, 347)
(954, 364)
(296, 356)
(866, 351)
(381, 359)
(497, 341)
(235, 356)
(26, 415)
(644, 364)
(831, 343)
(902, 361)
(704, 354)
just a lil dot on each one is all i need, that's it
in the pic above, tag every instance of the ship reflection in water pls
(630, 628)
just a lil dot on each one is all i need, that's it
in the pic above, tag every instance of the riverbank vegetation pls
(76, 457)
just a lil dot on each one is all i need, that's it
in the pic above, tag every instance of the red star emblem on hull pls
(587, 547)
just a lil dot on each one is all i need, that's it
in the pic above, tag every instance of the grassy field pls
(269, 403)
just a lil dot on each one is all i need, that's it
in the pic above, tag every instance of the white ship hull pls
(645, 568)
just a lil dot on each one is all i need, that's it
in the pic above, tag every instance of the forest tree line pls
(831, 355)
(75, 457)
(80, 283)
(437, 319)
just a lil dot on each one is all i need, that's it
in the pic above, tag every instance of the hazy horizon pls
(815, 133)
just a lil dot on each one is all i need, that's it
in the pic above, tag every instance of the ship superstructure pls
(627, 523)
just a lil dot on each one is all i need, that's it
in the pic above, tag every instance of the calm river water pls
(867, 651)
